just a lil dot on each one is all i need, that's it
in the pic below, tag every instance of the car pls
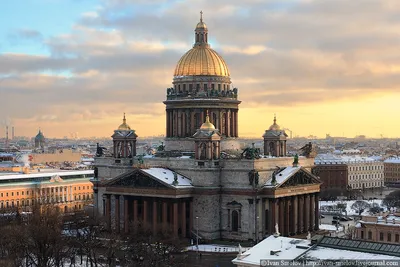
(334, 222)
(322, 216)
(335, 217)
(343, 219)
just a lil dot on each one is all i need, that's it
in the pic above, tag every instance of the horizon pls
(70, 66)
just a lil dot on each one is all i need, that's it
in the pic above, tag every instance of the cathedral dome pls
(201, 59)
(124, 126)
(39, 136)
(207, 125)
(274, 127)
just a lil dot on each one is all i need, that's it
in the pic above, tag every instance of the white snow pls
(216, 248)
(332, 206)
(282, 176)
(323, 253)
(392, 160)
(330, 227)
(285, 248)
(166, 176)
(46, 174)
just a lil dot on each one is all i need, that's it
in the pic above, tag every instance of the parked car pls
(335, 217)
(344, 219)
(334, 222)
(322, 216)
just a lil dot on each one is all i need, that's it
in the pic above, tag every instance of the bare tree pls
(392, 200)
(360, 206)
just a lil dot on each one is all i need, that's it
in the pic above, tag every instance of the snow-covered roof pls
(282, 176)
(167, 176)
(392, 160)
(285, 248)
(330, 227)
(45, 174)
(324, 253)
(342, 159)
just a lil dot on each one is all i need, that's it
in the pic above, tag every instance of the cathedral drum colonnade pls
(195, 176)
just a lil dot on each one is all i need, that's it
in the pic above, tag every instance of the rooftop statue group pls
(308, 151)
(171, 92)
(251, 153)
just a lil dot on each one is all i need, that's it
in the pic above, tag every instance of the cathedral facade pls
(201, 181)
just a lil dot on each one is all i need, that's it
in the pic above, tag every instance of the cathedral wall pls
(206, 208)
(181, 144)
(187, 144)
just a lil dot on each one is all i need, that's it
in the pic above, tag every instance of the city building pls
(392, 171)
(68, 190)
(318, 250)
(56, 156)
(349, 172)
(201, 180)
(40, 140)
(383, 229)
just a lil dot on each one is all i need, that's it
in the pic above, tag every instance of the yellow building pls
(58, 156)
(68, 190)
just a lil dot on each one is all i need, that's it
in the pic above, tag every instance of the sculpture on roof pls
(100, 150)
(308, 150)
(295, 160)
(251, 153)
(175, 182)
(140, 159)
(273, 180)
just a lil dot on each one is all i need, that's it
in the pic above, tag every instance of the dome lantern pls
(124, 126)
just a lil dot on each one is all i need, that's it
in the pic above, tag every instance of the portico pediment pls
(151, 178)
(291, 177)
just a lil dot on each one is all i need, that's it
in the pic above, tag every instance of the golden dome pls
(201, 60)
(207, 125)
(124, 126)
(274, 127)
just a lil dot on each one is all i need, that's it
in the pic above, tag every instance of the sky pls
(322, 66)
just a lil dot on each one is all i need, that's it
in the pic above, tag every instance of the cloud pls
(122, 56)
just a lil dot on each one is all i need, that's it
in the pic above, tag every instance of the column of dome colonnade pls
(123, 212)
(294, 214)
(201, 82)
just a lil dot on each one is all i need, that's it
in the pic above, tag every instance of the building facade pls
(392, 171)
(200, 182)
(68, 190)
(383, 229)
(351, 172)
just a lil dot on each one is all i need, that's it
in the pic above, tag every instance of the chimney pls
(6, 136)
(12, 133)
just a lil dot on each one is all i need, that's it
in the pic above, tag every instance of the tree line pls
(46, 237)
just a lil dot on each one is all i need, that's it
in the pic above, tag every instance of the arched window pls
(235, 221)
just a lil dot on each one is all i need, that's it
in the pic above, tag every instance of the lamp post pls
(197, 234)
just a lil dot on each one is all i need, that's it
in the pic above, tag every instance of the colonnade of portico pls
(293, 214)
(156, 213)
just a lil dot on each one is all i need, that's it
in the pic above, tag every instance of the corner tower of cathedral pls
(201, 82)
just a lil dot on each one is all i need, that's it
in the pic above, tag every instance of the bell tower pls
(207, 141)
(124, 141)
(275, 141)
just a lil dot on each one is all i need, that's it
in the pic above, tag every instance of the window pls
(381, 236)
(22, 192)
(235, 220)
(362, 234)
(396, 238)
(17, 193)
(12, 194)
(389, 237)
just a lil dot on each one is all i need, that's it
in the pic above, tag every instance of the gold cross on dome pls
(201, 16)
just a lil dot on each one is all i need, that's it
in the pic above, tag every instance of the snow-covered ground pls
(330, 227)
(332, 206)
(216, 248)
